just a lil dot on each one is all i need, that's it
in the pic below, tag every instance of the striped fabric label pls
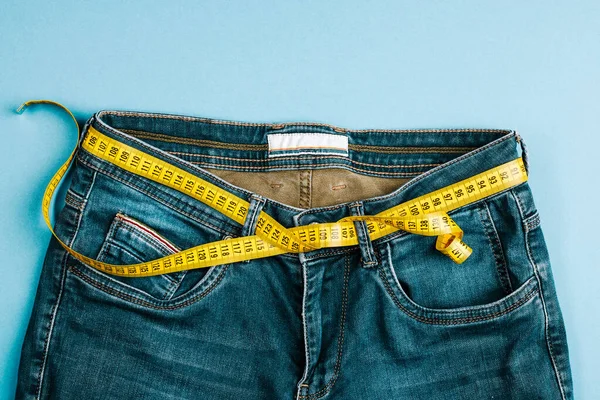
(286, 144)
(149, 231)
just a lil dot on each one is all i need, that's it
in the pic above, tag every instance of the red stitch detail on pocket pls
(150, 232)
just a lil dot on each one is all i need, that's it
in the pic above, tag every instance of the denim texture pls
(387, 319)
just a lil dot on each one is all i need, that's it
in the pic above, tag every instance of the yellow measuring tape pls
(424, 215)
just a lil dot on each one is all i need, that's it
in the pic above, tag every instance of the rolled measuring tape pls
(424, 215)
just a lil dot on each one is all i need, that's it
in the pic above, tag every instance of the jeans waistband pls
(430, 158)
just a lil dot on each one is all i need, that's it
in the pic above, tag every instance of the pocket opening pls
(435, 281)
(457, 315)
(153, 291)
(129, 241)
(429, 283)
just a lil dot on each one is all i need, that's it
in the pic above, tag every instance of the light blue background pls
(533, 66)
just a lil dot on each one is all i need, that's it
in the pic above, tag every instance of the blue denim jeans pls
(388, 318)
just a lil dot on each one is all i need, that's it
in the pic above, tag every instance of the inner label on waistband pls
(285, 144)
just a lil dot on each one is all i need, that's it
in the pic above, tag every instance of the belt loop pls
(523, 152)
(87, 124)
(256, 204)
(368, 257)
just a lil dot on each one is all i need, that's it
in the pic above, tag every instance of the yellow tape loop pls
(437, 223)
(425, 215)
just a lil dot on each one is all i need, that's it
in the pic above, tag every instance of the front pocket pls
(130, 241)
(428, 286)
(124, 222)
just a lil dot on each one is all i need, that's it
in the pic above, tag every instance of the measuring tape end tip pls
(22, 107)
(26, 104)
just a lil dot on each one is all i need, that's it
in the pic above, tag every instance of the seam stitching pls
(215, 121)
(63, 263)
(499, 259)
(110, 244)
(546, 318)
(110, 240)
(304, 189)
(154, 243)
(109, 277)
(197, 142)
(385, 239)
(292, 158)
(158, 199)
(346, 161)
(363, 238)
(408, 149)
(73, 199)
(176, 161)
(443, 167)
(147, 239)
(457, 321)
(305, 325)
(251, 218)
(133, 299)
(157, 238)
(451, 321)
(532, 222)
(324, 390)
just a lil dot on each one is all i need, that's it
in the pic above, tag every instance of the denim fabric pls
(391, 318)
